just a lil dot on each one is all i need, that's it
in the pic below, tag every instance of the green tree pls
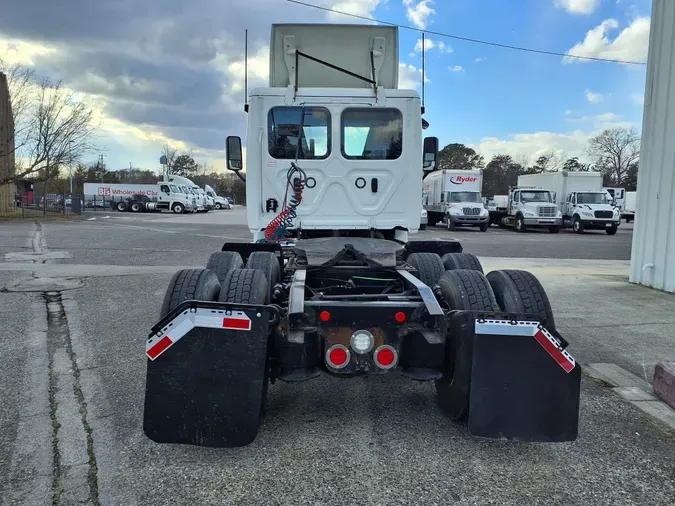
(184, 165)
(499, 174)
(459, 157)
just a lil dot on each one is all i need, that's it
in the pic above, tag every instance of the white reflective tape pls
(507, 327)
(189, 319)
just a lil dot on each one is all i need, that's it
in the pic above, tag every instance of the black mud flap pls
(206, 374)
(524, 385)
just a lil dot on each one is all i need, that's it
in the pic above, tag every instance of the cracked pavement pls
(80, 297)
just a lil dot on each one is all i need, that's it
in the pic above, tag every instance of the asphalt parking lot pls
(73, 367)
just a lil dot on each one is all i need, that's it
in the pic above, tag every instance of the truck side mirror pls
(235, 160)
(430, 154)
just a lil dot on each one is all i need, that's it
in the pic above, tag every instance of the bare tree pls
(550, 161)
(52, 127)
(169, 155)
(614, 151)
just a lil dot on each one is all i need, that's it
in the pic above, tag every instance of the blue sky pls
(173, 71)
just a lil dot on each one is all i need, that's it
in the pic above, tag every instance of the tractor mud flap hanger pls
(205, 362)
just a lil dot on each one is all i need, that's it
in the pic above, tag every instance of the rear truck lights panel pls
(524, 385)
(210, 378)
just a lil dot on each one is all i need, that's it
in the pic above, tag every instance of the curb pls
(634, 390)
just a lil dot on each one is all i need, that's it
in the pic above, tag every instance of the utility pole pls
(70, 165)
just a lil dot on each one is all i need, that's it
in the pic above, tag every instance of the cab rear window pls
(372, 134)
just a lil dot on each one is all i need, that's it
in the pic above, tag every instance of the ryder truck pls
(331, 284)
(454, 196)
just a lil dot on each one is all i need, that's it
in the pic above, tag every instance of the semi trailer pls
(169, 196)
(330, 282)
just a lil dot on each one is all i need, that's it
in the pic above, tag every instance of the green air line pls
(373, 279)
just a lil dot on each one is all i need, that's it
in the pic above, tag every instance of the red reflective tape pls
(159, 347)
(552, 350)
(236, 323)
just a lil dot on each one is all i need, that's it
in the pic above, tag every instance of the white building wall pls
(653, 255)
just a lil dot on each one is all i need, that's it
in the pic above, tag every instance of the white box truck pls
(121, 197)
(580, 197)
(628, 211)
(454, 197)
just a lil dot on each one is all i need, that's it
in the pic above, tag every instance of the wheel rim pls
(575, 225)
(519, 224)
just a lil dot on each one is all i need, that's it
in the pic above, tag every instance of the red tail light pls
(385, 357)
(400, 317)
(337, 356)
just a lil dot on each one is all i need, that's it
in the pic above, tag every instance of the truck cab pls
(171, 197)
(218, 202)
(591, 210)
(532, 208)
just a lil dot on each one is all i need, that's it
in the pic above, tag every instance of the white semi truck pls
(580, 197)
(218, 201)
(169, 196)
(203, 201)
(454, 197)
(618, 196)
(331, 284)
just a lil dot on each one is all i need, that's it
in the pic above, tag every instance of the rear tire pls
(429, 267)
(136, 207)
(467, 290)
(464, 290)
(457, 261)
(190, 284)
(224, 262)
(249, 286)
(121, 206)
(521, 292)
(268, 263)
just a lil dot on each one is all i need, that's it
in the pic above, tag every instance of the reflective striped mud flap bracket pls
(524, 384)
(207, 374)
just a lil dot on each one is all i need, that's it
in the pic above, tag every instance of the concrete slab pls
(634, 394)
(664, 382)
(616, 376)
(658, 410)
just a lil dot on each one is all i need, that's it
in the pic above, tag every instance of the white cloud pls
(410, 77)
(430, 44)
(533, 145)
(594, 98)
(480, 59)
(362, 8)
(578, 6)
(600, 121)
(419, 12)
(456, 68)
(631, 44)
(14, 51)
